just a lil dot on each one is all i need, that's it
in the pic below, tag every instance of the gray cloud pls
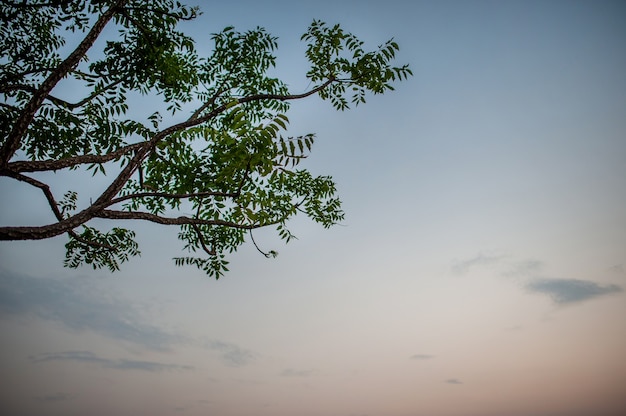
(74, 304)
(421, 357)
(453, 381)
(289, 372)
(54, 398)
(89, 357)
(231, 354)
(82, 356)
(463, 266)
(150, 366)
(564, 291)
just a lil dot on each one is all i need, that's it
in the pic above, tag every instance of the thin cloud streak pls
(567, 291)
(422, 357)
(524, 268)
(289, 372)
(463, 266)
(123, 364)
(453, 381)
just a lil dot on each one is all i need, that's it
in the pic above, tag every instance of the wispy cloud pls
(54, 398)
(231, 354)
(453, 381)
(81, 356)
(89, 357)
(150, 366)
(463, 266)
(421, 357)
(524, 268)
(565, 291)
(508, 266)
(289, 372)
(80, 309)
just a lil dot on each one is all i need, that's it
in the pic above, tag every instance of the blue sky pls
(480, 270)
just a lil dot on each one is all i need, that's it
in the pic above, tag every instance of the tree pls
(227, 161)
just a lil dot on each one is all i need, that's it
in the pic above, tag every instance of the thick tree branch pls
(45, 231)
(14, 139)
(56, 164)
(182, 220)
(45, 189)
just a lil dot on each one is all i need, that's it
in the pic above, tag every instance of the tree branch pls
(12, 77)
(267, 255)
(58, 101)
(91, 96)
(44, 188)
(206, 249)
(250, 98)
(182, 220)
(56, 164)
(206, 105)
(55, 209)
(14, 139)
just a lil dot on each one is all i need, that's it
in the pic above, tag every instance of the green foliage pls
(105, 249)
(68, 203)
(231, 162)
(336, 54)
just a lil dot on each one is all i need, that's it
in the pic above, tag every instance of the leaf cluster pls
(339, 55)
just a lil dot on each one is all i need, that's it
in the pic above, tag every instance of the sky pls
(480, 270)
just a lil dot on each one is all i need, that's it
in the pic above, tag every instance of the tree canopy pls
(229, 161)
